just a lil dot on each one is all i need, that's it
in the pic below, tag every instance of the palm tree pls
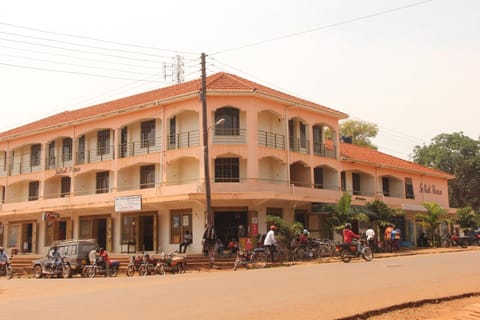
(381, 215)
(433, 219)
(343, 212)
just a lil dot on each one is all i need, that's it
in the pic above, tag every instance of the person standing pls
(270, 242)
(396, 240)
(387, 237)
(370, 233)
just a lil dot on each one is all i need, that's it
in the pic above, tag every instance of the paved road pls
(314, 291)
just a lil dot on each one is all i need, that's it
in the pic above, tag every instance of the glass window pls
(67, 149)
(148, 133)
(13, 235)
(318, 177)
(129, 230)
(180, 222)
(102, 182)
(103, 142)
(231, 122)
(81, 150)
(409, 193)
(56, 231)
(356, 183)
(51, 155)
(227, 170)
(35, 154)
(147, 176)
(33, 188)
(386, 186)
(65, 186)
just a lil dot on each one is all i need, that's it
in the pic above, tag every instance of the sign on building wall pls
(128, 203)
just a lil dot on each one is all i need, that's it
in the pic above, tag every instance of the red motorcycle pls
(453, 240)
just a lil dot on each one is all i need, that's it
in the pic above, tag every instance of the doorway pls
(230, 225)
(145, 241)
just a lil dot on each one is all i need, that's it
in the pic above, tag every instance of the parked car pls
(75, 253)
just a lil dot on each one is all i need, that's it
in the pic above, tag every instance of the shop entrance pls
(145, 233)
(94, 228)
(27, 236)
(138, 232)
(230, 225)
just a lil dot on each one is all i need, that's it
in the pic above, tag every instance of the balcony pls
(184, 140)
(322, 150)
(139, 147)
(271, 140)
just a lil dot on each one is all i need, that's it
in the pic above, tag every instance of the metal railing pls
(271, 140)
(184, 140)
(320, 149)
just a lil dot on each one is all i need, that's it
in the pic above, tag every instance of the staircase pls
(22, 264)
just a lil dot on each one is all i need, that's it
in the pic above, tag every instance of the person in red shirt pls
(303, 240)
(350, 237)
(106, 261)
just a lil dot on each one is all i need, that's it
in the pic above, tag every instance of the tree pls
(460, 156)
(360, 132)
(382, 215)
(432, 219)
(286, 232)
(343, 212)
(467, 219)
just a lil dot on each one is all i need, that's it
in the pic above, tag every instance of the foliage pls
(467, 219)
(432, 219)
(381, 214)
(343, 212)
(286, 232)
(458, 155)
(360, 131)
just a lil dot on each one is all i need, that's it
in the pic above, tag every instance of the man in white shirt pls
(270, 242)
(370, 233)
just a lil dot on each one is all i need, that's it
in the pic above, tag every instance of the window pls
(148, 133)
(356, 183)
(303, 135)
(65, 186)
(147, 176)
(51, 155)
(103, 142)
(180, 222)
(33, 188)
(343, 181)
(231, 124)
(102, 182)
(386, 186)
(318, 177)
(56, 231)
(35, 150)
(409, 193)
(173, 131)
(227, 170)
(67, 149)
(123, 142)
(318, 140)
(81, 150)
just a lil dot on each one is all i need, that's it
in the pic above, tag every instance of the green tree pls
(432, 219)
(467, 219)
(382, 215)
(286, 232)
(458, 155)
(343, 212)
(360, 131)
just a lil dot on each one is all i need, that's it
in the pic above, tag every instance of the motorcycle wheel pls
(90, 272)
(130, 271)
(66, 271)
(367, 254)
(160, 269)
(464, 244)
(113, 271)
(37, 272)
(142, 270)
(345, 256)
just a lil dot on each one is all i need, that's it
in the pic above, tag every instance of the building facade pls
(130, 172)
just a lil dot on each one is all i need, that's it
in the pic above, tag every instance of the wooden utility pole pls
(206, 157)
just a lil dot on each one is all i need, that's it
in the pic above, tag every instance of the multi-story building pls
(130, 172)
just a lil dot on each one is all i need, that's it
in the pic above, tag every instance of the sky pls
(410, 66)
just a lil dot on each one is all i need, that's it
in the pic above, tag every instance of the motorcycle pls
(455, 240)
(147, 266)
(171, 263)
(90, 271)
(348, 251)
(59, 267)
(134, 265)
(244, 258)
(6, 269)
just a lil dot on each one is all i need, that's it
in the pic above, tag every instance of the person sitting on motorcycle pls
(3, 255)
(303, 240)
(54, 256)
(93, 255)
(349, 236)
(105, 261)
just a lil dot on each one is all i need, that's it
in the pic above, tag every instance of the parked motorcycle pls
(171, 263)
(90, 271)
(147, 266)
(244, 258)
(52, 268)
(453, 240)
(6, 269)
(348, 251)
(134, 265)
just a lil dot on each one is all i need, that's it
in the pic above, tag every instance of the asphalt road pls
(312, 291)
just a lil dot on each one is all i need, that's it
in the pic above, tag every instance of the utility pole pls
(206, 158)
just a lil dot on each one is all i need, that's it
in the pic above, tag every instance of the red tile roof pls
(215, 83)
(370, 156)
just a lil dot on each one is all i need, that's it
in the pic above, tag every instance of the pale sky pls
(410, 66)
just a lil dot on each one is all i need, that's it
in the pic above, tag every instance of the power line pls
(100, 40)
(328, 26)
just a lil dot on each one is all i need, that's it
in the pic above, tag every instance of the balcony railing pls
(95, 155)
(323, 150)
(300, 145)
(229, 136)
(271, 140)
(184, 140)
(139, 147)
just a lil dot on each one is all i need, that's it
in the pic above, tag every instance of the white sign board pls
(128, 204)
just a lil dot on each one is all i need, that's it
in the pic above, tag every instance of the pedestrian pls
(387, 237)
(370, 233)
(396, 240)
(270, 242)
(209, 239)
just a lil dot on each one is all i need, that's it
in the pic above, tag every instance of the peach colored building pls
(130, 172)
